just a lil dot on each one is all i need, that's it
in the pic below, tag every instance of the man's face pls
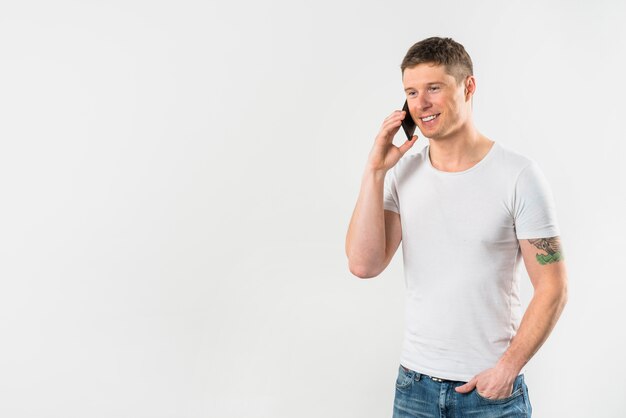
(431, 91)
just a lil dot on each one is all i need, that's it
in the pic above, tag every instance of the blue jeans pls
(418, 395)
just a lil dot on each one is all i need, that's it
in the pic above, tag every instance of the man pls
(466, 209)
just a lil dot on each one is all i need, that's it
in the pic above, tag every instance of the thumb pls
(468, 387)
(408, 144)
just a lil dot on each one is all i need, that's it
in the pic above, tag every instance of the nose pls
(422, 102)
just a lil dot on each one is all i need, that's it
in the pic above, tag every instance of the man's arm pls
(374, 233)
(545, 265)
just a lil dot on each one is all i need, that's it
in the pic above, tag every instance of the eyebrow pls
(427, 84)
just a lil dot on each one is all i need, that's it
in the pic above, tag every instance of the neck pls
(459, 152)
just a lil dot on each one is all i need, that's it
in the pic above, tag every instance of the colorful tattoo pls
(552, 246)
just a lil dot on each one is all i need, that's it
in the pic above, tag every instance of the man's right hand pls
(384, 154)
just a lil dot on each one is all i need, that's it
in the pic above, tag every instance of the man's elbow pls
(363, 273)
(560, 295)
(555, 290)
(564, 295)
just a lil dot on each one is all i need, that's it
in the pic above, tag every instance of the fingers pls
(408, 144)
(396, 113)
(392, 123)
(468, 387)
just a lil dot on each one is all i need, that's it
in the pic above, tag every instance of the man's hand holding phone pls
(384, 154)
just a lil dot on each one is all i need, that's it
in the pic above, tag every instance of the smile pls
(429, 118)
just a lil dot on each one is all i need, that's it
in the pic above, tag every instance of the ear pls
(470, 86)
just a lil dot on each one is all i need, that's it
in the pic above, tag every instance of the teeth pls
(429, 118)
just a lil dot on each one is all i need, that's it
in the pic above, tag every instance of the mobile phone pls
(408, 124)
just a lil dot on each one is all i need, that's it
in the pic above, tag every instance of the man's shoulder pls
(512, 159)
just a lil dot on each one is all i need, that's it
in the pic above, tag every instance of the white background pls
(177, 180)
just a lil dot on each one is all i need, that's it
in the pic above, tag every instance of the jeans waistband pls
(434, 378)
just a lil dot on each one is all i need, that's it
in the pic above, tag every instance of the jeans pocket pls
(518, 391)
(404, 379)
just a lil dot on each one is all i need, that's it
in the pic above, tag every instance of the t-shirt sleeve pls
(534, 208)
(390, 196)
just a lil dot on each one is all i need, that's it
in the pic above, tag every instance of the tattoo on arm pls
(552, 246)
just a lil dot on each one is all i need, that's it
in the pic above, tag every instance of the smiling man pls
(467, 210)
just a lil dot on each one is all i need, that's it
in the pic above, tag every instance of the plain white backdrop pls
(177, 180)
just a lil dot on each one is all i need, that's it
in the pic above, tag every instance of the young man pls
(466, 209)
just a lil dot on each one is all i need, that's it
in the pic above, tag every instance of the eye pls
(434, 88)
(410, 93)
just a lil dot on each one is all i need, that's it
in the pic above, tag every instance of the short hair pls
(440, 51)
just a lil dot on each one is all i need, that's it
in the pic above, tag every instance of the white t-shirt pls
(460, 233)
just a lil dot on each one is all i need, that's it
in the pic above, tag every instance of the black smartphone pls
(408, 124)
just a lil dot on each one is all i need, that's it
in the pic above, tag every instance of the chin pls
(431, 136)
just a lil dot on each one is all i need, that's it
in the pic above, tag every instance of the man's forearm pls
(539, 319)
